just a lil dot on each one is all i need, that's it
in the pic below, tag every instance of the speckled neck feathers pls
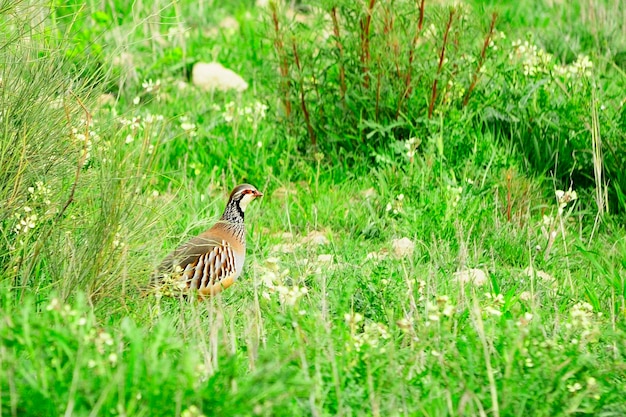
(232, 220)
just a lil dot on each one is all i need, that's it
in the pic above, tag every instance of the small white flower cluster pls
(372, 334)
(290, 296)
(493, 307)
(40, 193)
(533, 59)
(551, 225)
(581, 68)
(524, 321)
(137, 125)
(176, 32)
(442, 307)
(26, 220)
(102, 341)
(591, 385)
(583, 319)
(83, 141)
(454, 194)
(537, 61)
(153, 118)
(192, 411)
(454, 91)
(118, 241)
(253, 113)
(473, 276)
(133, 123)
(273, 280)
(493, 43)
(564, 198)
(67, 312)
(188, 127)
(411, 146)
(395, 206)
(150, 86)
(104, 344)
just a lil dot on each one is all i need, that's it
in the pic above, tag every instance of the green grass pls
(327, 318)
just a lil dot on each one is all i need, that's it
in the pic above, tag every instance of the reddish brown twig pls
(83, 156)
(378, 87)
(442, 55)
(282, 56)
(509, 199)
(409, 69)
(481, 60)
(418, 32)
(365, 24)
(342, 73)
(79, 166)
(392, 41)
(305, 110)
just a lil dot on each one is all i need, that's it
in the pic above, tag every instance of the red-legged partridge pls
(213, 260)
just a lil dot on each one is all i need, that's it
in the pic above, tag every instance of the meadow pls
(442, 231)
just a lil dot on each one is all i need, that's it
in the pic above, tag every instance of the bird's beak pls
(258, 194)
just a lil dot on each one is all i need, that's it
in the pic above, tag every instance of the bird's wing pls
(206, 264)
(188, 253)
(212, 271)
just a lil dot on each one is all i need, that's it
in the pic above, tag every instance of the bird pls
(213, 260)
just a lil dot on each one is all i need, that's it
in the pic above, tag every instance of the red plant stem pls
(305, 111)
(392, 42)
(342, 73)
(282, 56)
(378, 85)
(509, 203)
(365, 43)
(420, 22)
(409, 70)
(442, 54)
(83, 156)
(481, 60)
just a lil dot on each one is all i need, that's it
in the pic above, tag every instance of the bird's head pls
(243, 194)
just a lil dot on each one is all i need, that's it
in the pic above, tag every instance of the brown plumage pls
(213, 260)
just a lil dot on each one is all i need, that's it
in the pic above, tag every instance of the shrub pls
(382, 71)
(56, 152)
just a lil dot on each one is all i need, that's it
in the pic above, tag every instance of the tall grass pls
(68, 183)
(401, 265)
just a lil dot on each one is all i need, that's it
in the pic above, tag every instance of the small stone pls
(283, 192)
(315, 238)
(106, 99)
(369, 193)
(531, 272)
(403, 248)
(214, 76)
(229, 23)
(325, 258)
(474, 276)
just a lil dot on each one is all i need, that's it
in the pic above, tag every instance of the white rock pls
(531, 272)
(478, 277)
(325, 258)
(369, 193)
(403, 247)
(377, 255)
(213, 76)
(229, 23)
(315, 238)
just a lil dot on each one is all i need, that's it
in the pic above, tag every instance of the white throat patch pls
(245, 200)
